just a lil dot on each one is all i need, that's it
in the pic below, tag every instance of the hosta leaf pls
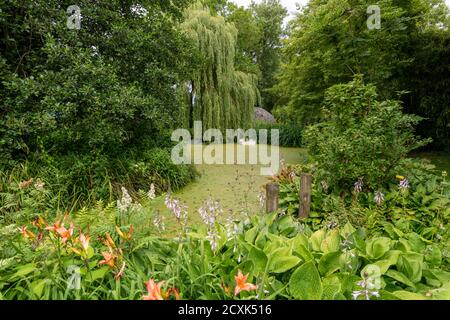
(399, 277)
(24, 270)
(282, 260)
(347, 230)
(259, 259)
(331, 242)
(406, 295)
(251, 234)
(411, 265)
(305, 283)
(330, 291)
(329, 263)
(304, 253)
(376, 248)
(433, 255)
(416, 243)
(298, 240)
(316, 239)
(98, 274)
(441, 293)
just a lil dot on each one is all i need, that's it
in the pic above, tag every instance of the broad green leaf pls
(251, 234)
(286, 225)
(377, 247)
(316, 239)
(330, 291)
(329, 263)
(25, 269)
(406, 295)
(331, 287)
(441, 293)
(416, 243)
(259, 259)
(347, 230)
(298, 240)
(304, 253)
(282, 260)
(331, 242)
(305, 283)
(399, 277)
(433, 255)
(98, 274)
(38, 287)
(386, 295)
(411, 265)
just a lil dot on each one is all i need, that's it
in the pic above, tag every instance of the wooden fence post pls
(305, 196)
(272, 190)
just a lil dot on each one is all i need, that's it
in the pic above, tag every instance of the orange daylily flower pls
(125, 236)
(226, 289)
(64, 233)
(26, 233)
(84, 240)
(109, 241)
(54, 227)
(173, 291)
(154, 290)
(241, 283)
(109, 259)
(39, 222)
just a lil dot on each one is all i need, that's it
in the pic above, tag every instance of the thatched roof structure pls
(262, 115)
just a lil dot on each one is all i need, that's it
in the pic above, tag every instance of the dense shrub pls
(361, 137)
(290, 134)
(101, 90)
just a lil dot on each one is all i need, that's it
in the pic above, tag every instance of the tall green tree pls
(330, 42)
(270, 16)
(106, 88)
(249, 38)
(217, 94)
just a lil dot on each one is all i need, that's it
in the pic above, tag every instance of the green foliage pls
(290, 134)
(269, 15)
(217, 94)
(361, 137)
(330, 42)
(66, 91)
(394, 268)
(73, 181)
(422, 207)
(248, 39)
(428, 83)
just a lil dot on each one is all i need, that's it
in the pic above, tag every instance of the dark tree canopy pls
(107, 87)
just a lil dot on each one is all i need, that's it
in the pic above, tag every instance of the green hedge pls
(290, 134)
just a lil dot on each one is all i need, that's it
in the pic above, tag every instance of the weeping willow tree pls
(217, 94)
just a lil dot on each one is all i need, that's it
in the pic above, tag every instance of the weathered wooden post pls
(305, 196)
(272, 190)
